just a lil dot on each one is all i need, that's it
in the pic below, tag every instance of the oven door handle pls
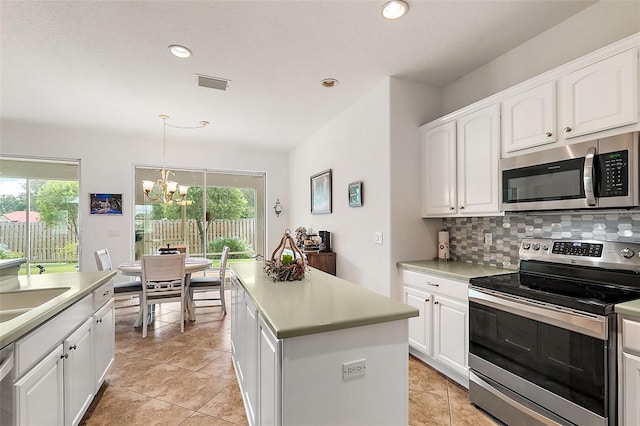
(587, 177)
(583, 323)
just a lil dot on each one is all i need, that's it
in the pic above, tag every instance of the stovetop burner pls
(590, 276)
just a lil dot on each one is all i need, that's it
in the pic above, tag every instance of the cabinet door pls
(39, 393)
(104, 342)
(529, 118)
(251, 361)
(79, 373)
(478, 140)
(420, 326)
(269, 391)
(601, 96)
(631, 389)
(439, 170)
(451, 333)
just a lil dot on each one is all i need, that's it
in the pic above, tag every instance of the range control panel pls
(602, 254)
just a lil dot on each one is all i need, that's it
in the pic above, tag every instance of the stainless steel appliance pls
(596, 174)
(542, 341)
(6, 385)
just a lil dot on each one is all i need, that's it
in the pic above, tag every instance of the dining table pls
(191, 265)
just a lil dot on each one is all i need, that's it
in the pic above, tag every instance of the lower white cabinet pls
(39, 393)
(104, 344)
(79, 374)
(439, 336)
(269, 376)
(629, 372)
(62, 363)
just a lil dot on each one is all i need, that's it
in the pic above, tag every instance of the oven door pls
(553, 360)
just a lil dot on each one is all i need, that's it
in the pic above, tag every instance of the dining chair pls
(212, 283)
(126, 288)
(163, 282)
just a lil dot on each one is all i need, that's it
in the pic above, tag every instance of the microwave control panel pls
(614, 174)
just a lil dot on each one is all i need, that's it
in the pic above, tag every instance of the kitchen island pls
(318, 351)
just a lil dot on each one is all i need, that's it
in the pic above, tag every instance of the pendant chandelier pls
(165, 189)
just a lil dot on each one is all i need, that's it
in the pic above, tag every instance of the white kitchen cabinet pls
(451, 333)
(39, 393)
(104, 342)
(79, 374)
(443, 324)
(439, 170)
(601, 96)
(629, 371)
(269, 369)
(250, 385)
(420, 327)
(529, 118)
(460, 175)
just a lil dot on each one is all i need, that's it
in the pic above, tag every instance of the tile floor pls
(188, 379)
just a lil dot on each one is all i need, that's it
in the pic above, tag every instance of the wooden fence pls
(57, 244)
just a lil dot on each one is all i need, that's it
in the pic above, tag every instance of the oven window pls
(546, 182)
(564, 362)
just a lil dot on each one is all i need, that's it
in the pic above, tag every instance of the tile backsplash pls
(466, 234)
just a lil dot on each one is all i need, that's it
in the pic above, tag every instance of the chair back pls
(103, 260)
(223, 264)
(182, 248)
(163, 275)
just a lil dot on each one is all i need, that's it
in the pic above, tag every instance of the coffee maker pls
(326, 241)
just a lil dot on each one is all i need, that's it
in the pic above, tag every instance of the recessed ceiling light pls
(395, 9)
(179, 51)
(329, 82)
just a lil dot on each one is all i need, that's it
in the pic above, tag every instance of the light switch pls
(378, 237)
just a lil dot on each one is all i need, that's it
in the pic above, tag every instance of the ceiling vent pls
(212, 82)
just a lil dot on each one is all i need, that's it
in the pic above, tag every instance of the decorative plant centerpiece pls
(284, 266)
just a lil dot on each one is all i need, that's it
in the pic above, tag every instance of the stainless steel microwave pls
(602, 173)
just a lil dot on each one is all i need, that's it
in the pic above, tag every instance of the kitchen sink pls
(15, 303)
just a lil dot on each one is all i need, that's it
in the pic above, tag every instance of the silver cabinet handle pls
(452, 208)
(426, 300)
(436, 302)
(433, 284)
(99, 321)
(548, 134)
(65, 356)
(74, 347)
(461, 207)
(567, 129)
(106, 292)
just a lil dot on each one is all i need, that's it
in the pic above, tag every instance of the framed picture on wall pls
(355, 194)
(105, 204)
(321, 192)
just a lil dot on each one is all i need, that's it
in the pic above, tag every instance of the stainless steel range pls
(542, 341)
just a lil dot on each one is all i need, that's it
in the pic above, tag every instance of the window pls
(220, 208)
(39, 214)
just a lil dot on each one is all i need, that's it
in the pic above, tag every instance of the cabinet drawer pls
(631, 335)
(102, 295)
(437, 285)
(35, 345)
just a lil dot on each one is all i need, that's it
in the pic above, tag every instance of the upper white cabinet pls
(439, 170)
(529, 118)
(602, 95)
(460, 165)
(478, 145)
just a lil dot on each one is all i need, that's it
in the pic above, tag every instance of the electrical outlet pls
(378, 237)
(354, 369)
(488, 238)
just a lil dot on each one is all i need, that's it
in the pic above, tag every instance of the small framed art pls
(355, 194)
(321, 192)
(105, 204)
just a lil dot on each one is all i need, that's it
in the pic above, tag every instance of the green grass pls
(50, 268)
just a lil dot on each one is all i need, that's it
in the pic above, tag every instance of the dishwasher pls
(6, 385)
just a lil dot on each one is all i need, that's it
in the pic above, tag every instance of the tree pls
(57, 203)
(11, 203)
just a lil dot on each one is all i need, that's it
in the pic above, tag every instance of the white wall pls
(375, 141)
(597, 26)
(107, 162)
(411, 238)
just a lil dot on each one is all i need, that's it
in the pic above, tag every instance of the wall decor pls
(108, 204)
(321, 192)
(355, 194)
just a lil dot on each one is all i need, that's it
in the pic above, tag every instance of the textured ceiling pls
(105, 65)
